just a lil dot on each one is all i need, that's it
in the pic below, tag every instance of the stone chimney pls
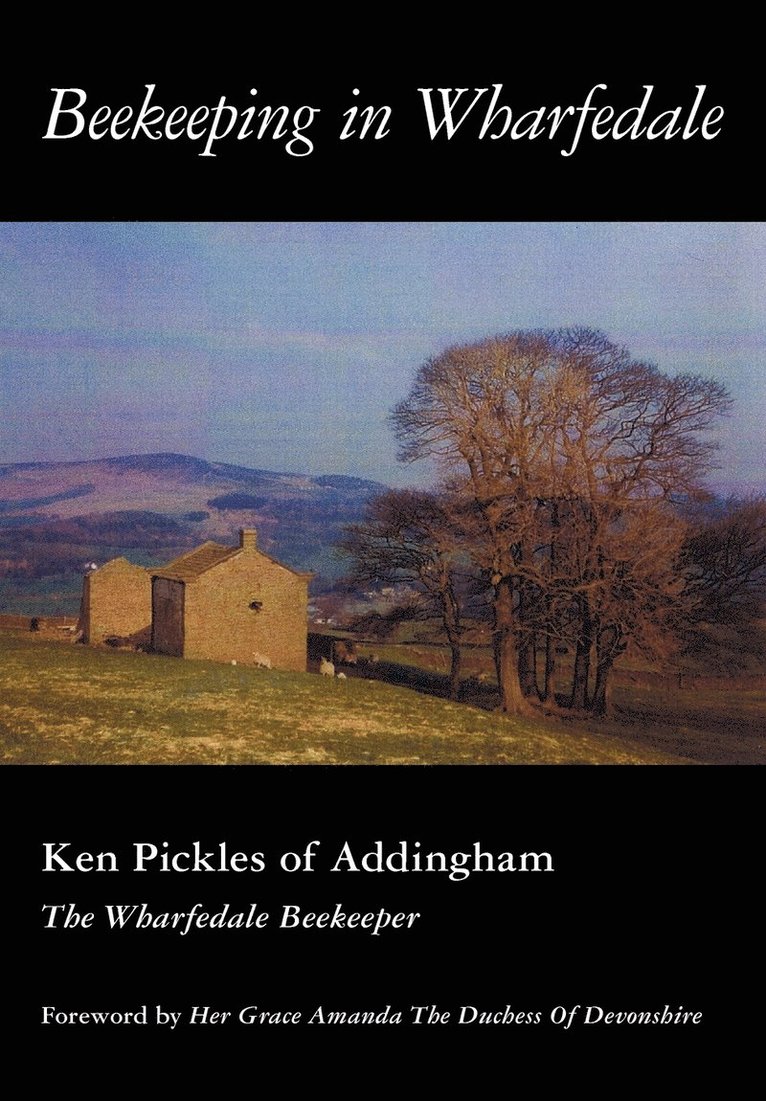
(248, 538)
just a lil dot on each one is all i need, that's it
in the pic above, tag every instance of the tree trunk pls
(454, 673)
(550, 642)
(527, 674)
(579, 699)
(600, 703)
(608, 648)
(526, 642)
(506, 661)
(451, 619)
(550, 666)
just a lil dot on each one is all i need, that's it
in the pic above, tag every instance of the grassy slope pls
(66, 704)
(708, 725)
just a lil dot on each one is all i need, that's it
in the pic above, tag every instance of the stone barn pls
(231, 604)
(116, 603)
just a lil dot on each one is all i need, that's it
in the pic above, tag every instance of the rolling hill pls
(55, 518)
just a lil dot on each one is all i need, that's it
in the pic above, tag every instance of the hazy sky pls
(285, 345)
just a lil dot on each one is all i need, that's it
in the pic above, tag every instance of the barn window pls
(255, 605)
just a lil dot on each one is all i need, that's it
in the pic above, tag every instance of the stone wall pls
(116, 602)
(244, 606)
(13, 621)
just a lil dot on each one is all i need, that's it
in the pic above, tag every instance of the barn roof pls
(191, 565)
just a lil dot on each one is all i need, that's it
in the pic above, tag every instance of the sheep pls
(344, 653)
(326, 668)
(261, 661)
(340, 676)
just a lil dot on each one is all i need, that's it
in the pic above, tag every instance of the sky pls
(284, 346)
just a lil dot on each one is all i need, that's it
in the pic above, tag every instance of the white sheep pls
(262, 661)
(326, 668)
(341, 676)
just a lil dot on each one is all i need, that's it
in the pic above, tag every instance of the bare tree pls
(724, 558)
(558, 437)
(412, 537)
(476, 410)
(630, 591)
(630, 441)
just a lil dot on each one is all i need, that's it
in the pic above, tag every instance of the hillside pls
(57, 517)
(64, 704)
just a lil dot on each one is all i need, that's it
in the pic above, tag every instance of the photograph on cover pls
(382, 493)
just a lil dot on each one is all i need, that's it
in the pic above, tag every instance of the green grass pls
(66, 704)
(722, 725)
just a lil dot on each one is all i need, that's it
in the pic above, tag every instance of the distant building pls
(216, 602)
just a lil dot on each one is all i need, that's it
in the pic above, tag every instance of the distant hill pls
(56, 518)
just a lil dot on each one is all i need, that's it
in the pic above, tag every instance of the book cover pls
(341, 903)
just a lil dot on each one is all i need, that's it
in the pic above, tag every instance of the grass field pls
(67, 704)
(722, 725)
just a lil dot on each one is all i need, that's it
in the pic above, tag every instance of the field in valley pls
(67, 704)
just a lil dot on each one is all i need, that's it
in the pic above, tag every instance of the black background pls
(653, 897)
